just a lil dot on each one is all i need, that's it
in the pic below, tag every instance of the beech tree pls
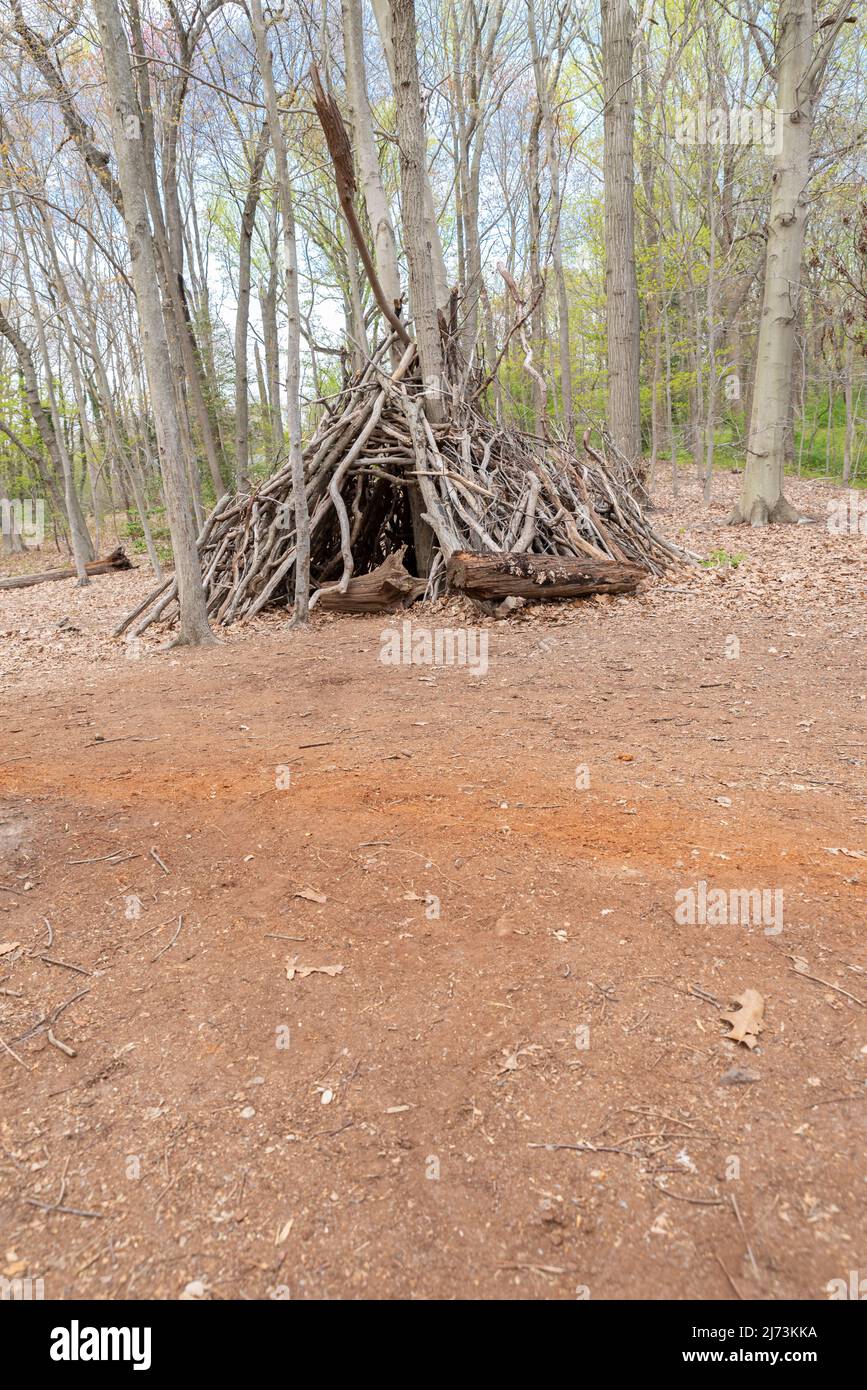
(801, 65)
(621, 282)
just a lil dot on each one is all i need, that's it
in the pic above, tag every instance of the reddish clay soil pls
(391, 1130)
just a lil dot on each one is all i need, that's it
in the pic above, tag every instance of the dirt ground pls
(513, 1080)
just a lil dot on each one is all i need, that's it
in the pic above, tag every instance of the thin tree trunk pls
(268, 305)
(386, 17)
(51, 441)
(378, 212)
(537, 286)
(621, 283)
(126, 128)
(293, 314)
(544, 84)
(849, 439)
(242, 312)
(762, 499)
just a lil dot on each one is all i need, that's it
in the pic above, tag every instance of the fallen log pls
(117, 560)
(536, 577)
(385, 587)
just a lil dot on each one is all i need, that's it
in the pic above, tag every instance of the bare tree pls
(378, 213)
(800, 66)
(621, 283)
(132, 178)
(293, 314)
(242, 314)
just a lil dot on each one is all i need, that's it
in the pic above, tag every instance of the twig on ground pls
(79, 969)
(737, 1211)
(171, 943)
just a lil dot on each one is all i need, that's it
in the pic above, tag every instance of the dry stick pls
(728, 1276)
(79, 969)
(64, 1211)
(586, 1148)
(155, 857)
(48, 1020)
(61, 1046)
(337, 140)
(827, 983)
(337, 478)
(124, 738)
(171, 943)
(8, 1048)
(694, 1201)
(102, 858)
(736, 1209)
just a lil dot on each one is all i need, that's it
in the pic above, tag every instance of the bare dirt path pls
(512, 975)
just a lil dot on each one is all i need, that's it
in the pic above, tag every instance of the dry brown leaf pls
(8, 946)
(746, 1021)
(311, 896)
(302, 971)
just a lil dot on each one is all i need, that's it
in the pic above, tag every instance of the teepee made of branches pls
(558, 522)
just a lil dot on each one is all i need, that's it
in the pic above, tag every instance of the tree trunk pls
(378, 213)
(126, 128)
(537, 577)
(417, 241)
(762, 500)
(242, 313)
(54, 448)
(268, 305)
(293, 314)
(849, 439)
(537, 285)
(117, 560)
(621, 284)
(386, 16)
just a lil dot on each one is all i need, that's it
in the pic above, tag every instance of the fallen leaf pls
(302, 971)
(747, 1020)
(311, 896)
(8, 946)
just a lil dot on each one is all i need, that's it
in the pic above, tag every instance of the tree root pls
(782, 513)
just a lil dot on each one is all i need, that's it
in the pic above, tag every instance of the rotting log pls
(117, 560)
(536, 577)
(388, 586)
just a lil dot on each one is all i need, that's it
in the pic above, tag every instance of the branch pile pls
(485, 488)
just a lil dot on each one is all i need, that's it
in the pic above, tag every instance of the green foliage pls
(721, 559)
